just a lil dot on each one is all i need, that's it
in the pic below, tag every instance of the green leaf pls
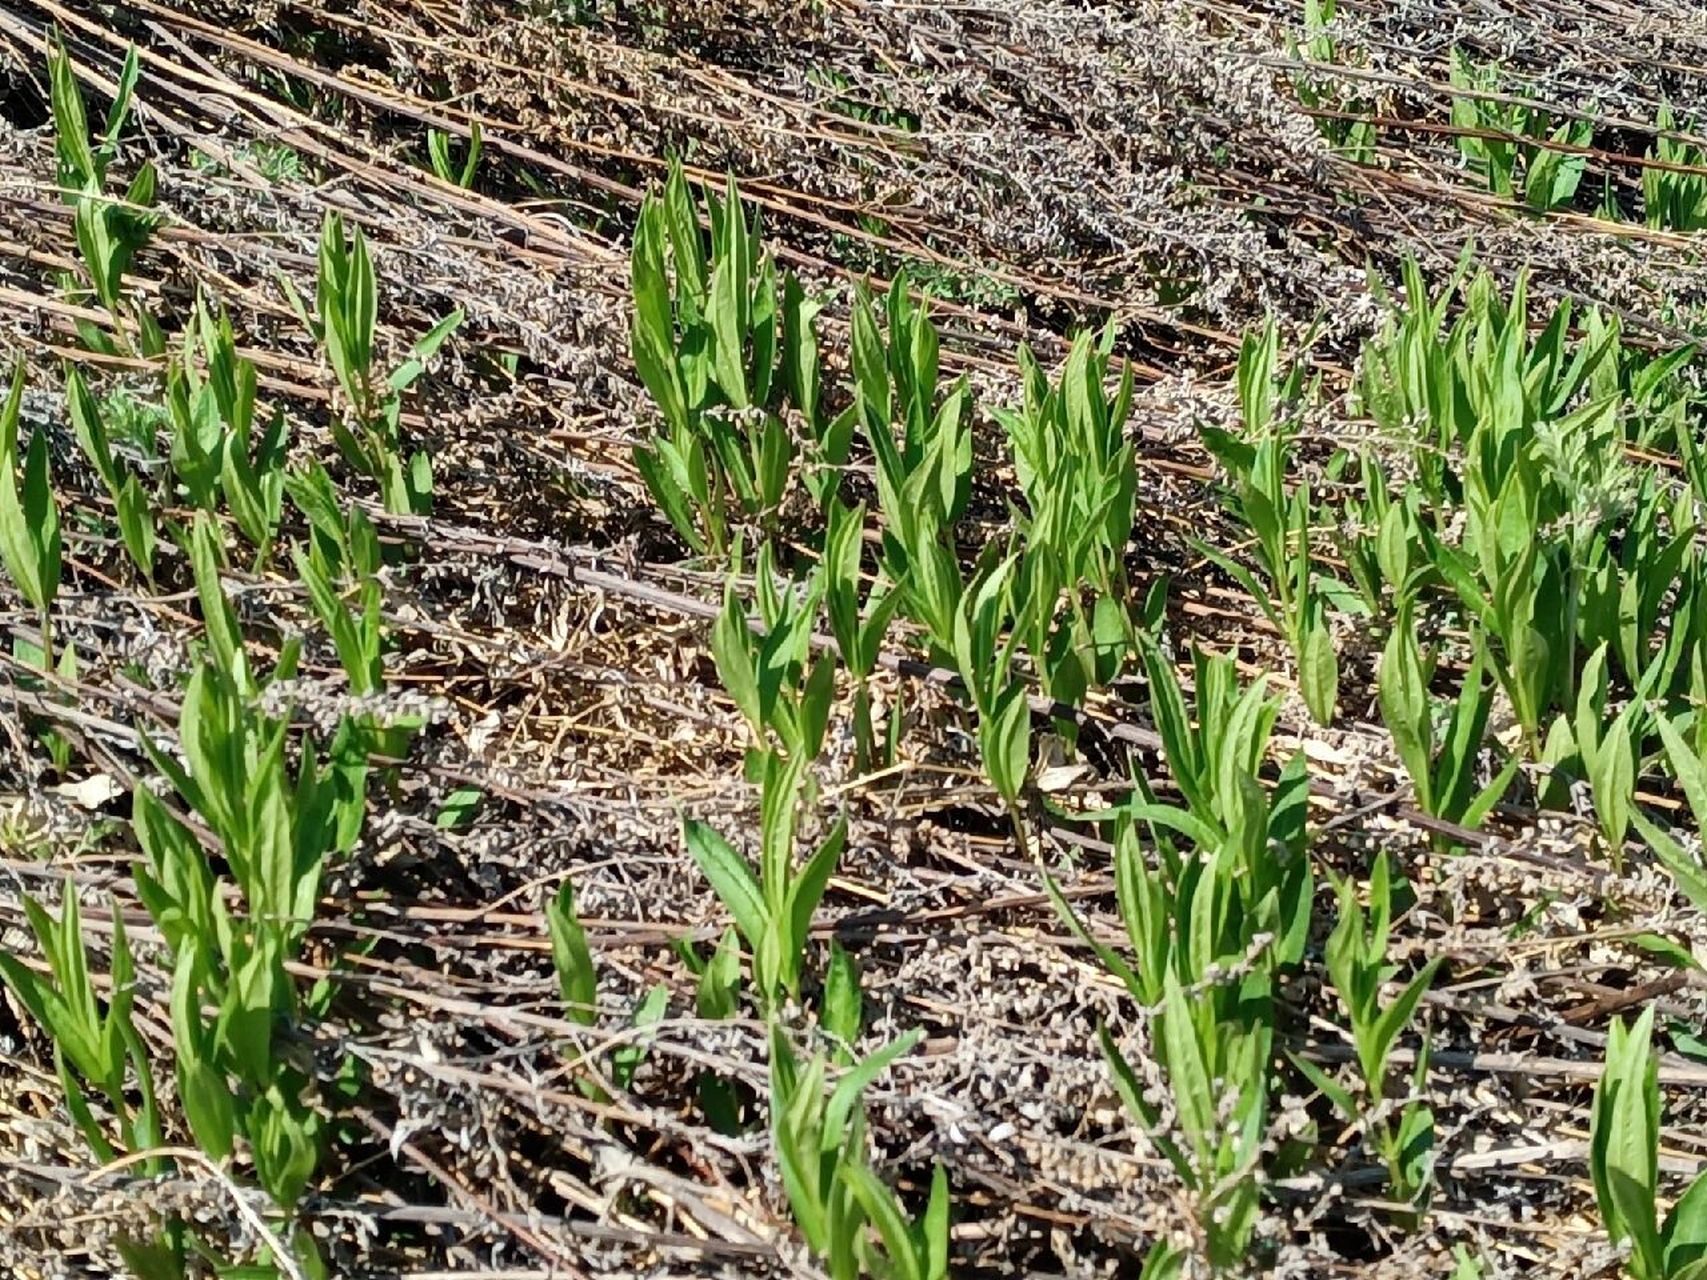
(795, 1140)
(935, 1227)
(625, 1060)
(718, 994)
(91, 432)
(800, 349)
(1318, 672)
(71, 129)
(1110, 627)
(1004, 741)
(728, 333)
(151, 1259)
(817, 697)
(1403, 697)
(284, 1141)
(1188, 1072)
(1329, 1088)
(1397, 1016)
(731, 649)
(846, 1094)
(807, 890)
(1685, 1233)
(1110, 959)
(577, 980)
(1164, 1260)
(403, 377)
(460, 808)
(1687, 767)
(884, 1210)
(731, 877)
(29, 528)
(843, 1013)
(223, 636)
(1260, 595)
(1666, 950)
(1624, 1140)
(1189, 825)
(202, 1086)
(1685, 868)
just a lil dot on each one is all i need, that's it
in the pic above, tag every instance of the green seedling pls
(438, 155)
(1079, 476)
(843, 1014)
(1357, 964)
(921, 439)
(920, 434)
(577, 980)
(1000, 698)
(1525, 149)
(31, 549)
(1672, 199)
(1656, 386)
(1292, 596)
(215, 451)
(773, 909)
(722, 356)
(369, 431)
(1563, 545)
(627, 1057)
(1208, 933)
(1352, 138)
(784, 695)
(460, 810)
(859, 631)
(341, 577)
(577, 985)
(1074, 463)
(1466, 1265)
(850, 1219)
(313, 493)
(1634, 573)
(1213, 1046)
(1380, 539)
(1689, 768)
(1442, 766)
(1410, 375)
(1601, 748)
(232, 934)
(110, 230)
(1624, 1144)
(275, 162)
(133, 511)
(1470, 392)
(717, 997)
(1227, 740)
(96, 1049)
(30, 544)
(93, 1049)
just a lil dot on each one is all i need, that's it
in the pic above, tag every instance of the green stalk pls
(1017, 820)
(864, 747)
(1572, 606)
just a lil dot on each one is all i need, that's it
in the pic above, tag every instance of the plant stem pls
(864, 751)
(1017, 819)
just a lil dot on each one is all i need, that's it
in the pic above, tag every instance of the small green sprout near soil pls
(588, 733)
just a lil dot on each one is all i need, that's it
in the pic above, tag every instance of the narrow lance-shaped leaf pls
(731, 876)
(577, 980)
